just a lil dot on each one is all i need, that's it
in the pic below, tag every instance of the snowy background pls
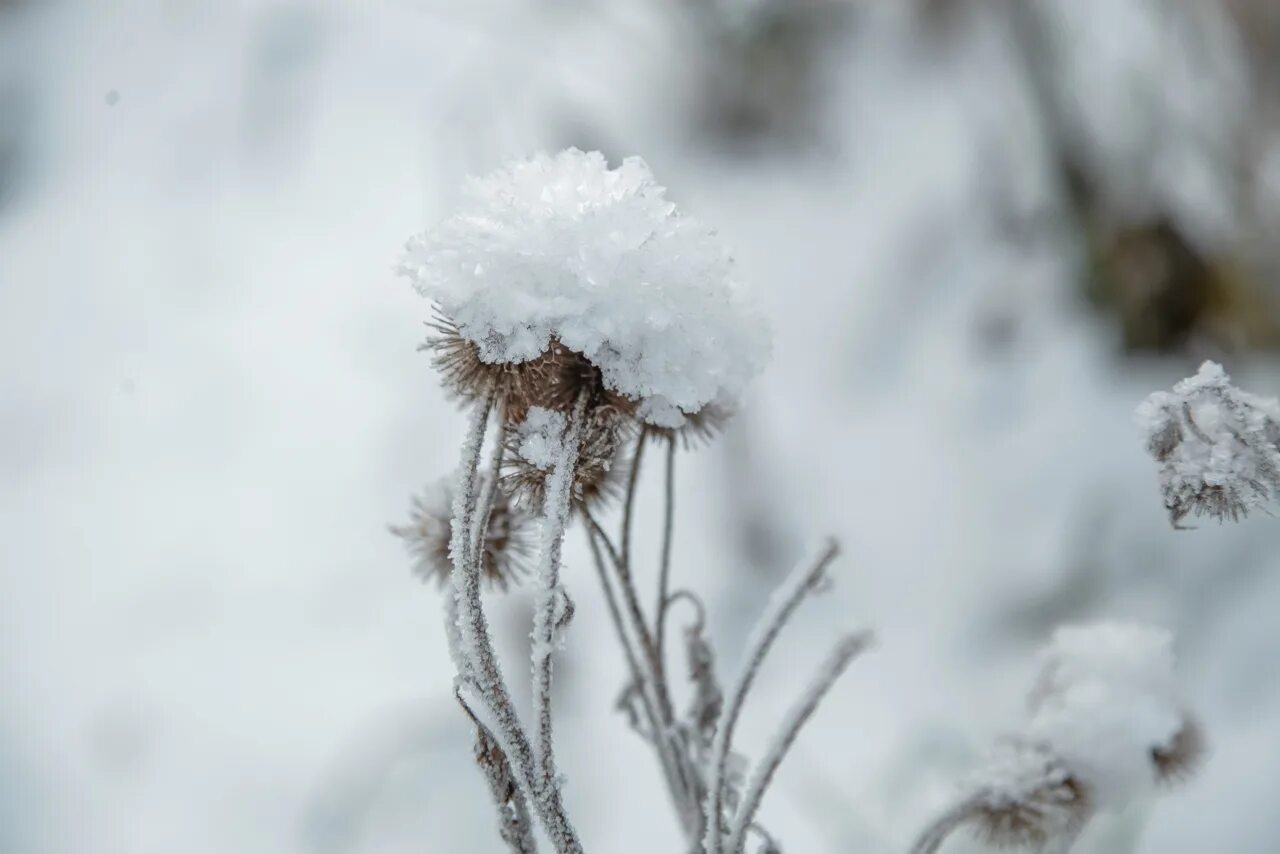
(983, 231)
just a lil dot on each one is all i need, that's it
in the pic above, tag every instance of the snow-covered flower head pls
(1106, 725)
(1217, 446)
(1107, 705)
(507, 541)
(1025, 796)
(562, 250)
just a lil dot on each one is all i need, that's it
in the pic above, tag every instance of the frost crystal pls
(564, 249)
(541, 437)
(1105, 704)
(1216, 445)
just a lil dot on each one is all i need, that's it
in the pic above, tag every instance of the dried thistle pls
(699, 428)
(1218, 447)
(1025, 797)
(507, 543)
(1029, 798)
(1181, 757)
(597, 477)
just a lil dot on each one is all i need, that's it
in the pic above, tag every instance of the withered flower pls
(507, 542)
(598, 475)
(1180, 758)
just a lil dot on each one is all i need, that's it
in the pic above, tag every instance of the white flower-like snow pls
(563, 247)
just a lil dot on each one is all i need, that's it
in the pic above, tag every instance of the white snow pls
(564, 247)
(1107, 697)
(541, 436)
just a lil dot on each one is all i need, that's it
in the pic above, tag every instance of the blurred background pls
(984, 230)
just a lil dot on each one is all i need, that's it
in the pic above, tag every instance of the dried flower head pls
(699, 428)
(531, 453)
(553, 380)
(1218, 447)
(507, 542)
(1025, 797)
(1107, 704)
(564, 251)
(1180, 758)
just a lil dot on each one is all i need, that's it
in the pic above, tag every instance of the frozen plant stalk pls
(580, 317)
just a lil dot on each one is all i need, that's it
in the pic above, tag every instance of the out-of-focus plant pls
(582, 319)
(1106, 726)
(1218, 447)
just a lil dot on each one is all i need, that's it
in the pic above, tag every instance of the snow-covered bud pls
(1217, 446)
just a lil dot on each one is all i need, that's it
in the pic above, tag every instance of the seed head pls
(700, 428)
(1180, 758)
(507, 542)
(1218, 447)
(597, 477)
(1027, 797)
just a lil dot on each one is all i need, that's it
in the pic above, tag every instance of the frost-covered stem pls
(676, 765)
(594, 535)
(550, 605)
(645, 638)
(935, 834)
(628, 505)
(844, 652)
(782, 605)
(664, 570)
(514, 824)
(485, 503)
(481, 671)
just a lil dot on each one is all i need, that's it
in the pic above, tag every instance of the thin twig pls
(843, 653)
(671, 760)
(628, 507)
(664, 571)
(942, 827)
(802, 581)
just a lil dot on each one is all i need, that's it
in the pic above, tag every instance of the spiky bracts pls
(506, 550)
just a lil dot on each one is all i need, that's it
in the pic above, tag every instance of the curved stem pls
(845, 651)
(479, 668)
(802, 581)
(935, 834)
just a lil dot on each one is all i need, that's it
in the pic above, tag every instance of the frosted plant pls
(1106, 725)
(504, 559)
(1218, 447)
(582, 318)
